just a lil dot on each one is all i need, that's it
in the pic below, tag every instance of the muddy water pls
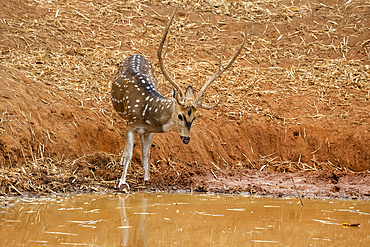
(152, 219)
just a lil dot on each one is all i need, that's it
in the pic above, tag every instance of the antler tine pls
(221, 69)
(161, 58)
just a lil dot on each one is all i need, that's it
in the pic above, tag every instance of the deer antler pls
(221, 69)
(180, 94)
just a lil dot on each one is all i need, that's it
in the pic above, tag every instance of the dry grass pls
(47, 175)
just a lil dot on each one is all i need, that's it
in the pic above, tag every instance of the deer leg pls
(146, 141)
(127, 155)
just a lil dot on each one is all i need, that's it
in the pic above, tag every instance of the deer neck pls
(168, 122)
(158, 114)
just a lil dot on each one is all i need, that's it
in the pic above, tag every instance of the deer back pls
(135, 97)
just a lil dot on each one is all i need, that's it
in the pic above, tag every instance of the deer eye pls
(180, 117)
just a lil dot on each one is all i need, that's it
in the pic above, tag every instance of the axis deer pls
(135, 97)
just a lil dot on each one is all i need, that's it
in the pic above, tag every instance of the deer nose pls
(185, 139)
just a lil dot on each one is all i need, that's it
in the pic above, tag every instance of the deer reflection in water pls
(138, 231)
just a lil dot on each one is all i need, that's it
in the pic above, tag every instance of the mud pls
(54, 140)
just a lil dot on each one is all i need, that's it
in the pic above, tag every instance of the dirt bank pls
(296, 104)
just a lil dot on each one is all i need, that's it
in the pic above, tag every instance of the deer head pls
(184, 113)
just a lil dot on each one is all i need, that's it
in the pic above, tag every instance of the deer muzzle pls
(185, 139)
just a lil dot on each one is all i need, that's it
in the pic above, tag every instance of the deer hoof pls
(125, 188)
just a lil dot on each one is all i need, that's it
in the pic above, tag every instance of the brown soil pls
(295, 105)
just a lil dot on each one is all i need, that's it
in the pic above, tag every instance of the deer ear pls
(189, 93)
(174, 93)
